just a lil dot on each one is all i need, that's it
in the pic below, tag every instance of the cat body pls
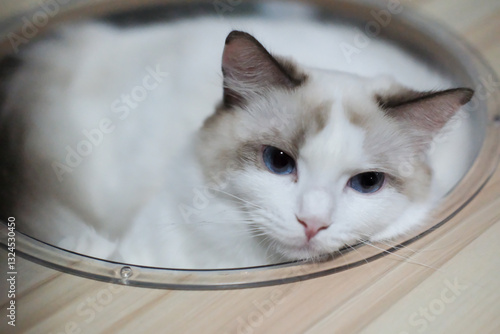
(125, 158)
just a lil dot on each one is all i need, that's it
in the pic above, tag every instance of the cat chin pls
(411, 220)
(308, 251)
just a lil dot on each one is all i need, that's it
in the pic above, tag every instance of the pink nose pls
(312, 227)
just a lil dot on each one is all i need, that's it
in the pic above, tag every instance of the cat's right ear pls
(249, 69)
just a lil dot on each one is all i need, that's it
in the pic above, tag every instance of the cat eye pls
(367, 183)
(277, 161)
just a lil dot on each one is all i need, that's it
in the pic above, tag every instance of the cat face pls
(315, 157)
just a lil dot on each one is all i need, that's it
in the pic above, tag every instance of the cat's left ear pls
(427, 112)
(249, 69)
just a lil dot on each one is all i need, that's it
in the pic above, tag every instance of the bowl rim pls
(420, 29)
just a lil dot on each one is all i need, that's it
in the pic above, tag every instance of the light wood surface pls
(446, 283)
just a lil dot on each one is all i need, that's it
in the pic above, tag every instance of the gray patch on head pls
(308, 124)
(239, 134)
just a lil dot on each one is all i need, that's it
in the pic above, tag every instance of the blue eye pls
(278, 161)
(368, 182)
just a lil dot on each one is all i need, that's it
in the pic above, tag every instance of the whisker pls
(394, 245)
(343, 256)
(234, 196)
(354, 249)
(402, 257)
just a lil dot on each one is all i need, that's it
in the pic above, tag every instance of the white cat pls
(124, 158)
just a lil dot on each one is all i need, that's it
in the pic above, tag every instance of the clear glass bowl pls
(424, 38)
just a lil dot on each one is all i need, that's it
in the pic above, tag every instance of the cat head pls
(315, 157)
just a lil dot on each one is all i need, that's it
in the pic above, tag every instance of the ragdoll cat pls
(122, 159)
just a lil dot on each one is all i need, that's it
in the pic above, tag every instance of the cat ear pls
(426, 112)
(249, 69)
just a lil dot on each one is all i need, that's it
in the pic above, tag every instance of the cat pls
(124, 157)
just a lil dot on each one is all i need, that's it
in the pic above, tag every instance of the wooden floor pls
(450, 285)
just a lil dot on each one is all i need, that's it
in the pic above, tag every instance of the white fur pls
(141, 197)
